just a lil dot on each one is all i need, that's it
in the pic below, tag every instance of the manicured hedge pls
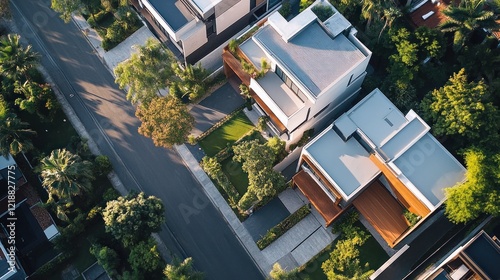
(283, 227)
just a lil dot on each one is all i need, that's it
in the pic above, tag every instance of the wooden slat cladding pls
(317, 196)
(323, 178)
(233, 66)
(404, 195)
(383, 212)
(274, 119)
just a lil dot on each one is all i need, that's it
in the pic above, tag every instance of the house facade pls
(196, 27)
(316, 69)
(381, 162)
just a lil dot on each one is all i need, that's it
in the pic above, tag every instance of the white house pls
(316, 69)
(381, 162)
(202, 25)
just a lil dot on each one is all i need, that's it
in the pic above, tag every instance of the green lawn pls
(371, 252)
(236, 175)
(228, 133)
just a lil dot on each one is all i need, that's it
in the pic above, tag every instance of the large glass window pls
(290, 84)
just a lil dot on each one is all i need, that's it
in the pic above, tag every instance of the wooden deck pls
(318, 198)
(404, 195)
(383, 212)
(434, 20)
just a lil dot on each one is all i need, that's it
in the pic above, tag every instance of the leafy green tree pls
(14, 135)
(257, 160)
(480, 192)
(463, 20)
(462, 108)
(5, 9)
(344, 263)
(107, 258)
(131, 219)
(144, 256)
(15, 60)
(191, 80)
(146, 72)
(277, 145)
(482, 62)
(253, 155)
(65, 175)
(278, 273)
(182, 270)
(165, 120)
(67, 7)
(431, 43)
(37, 98)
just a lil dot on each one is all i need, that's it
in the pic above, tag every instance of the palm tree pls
(14, 135)
(65, 175)
(467, 17)
(16, 61)
(192, 80)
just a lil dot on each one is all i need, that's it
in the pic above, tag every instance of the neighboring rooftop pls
(173, 12)
(405, 144)
(6, 161)
(429, 13)
(304, 55)
(346, 163)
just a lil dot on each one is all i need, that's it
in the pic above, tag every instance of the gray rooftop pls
(430, 168)
(377, 117)
(312, 56)
(346, 163)
(279, 92)
(173, 12)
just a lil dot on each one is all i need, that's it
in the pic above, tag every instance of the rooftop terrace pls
(173, 12)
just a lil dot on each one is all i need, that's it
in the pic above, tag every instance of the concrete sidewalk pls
(121, 52)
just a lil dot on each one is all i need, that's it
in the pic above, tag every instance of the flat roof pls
(279, 92)
(377, 117)
(413, 130)
(485, 254)
(173, 12)
(253, 52)
(312, 56)
(346, 163)
(430, 168)
(205, 5)
(6, 161)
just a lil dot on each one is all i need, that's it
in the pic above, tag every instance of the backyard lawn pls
(228, 133)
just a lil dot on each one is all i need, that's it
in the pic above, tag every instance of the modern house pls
(379, 161)
(477, 258)
(34, 227)
(196, 27)
(316, 69)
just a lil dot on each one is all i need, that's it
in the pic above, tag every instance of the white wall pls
(269, 102)
(194, 38)
(229, 17)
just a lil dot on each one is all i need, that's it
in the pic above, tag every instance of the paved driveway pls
(215, 107)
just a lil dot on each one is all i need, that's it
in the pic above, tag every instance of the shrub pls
(102, 165)
(280, 229)
(214, 169)
(262, 123)
(411, 217)
(304, 4)
(191, 139)
(278, 147)
(323, 12)
(233, 44)
(107, 258)
(286, 9)
(303, 140)
(247, 201)
(110, 194)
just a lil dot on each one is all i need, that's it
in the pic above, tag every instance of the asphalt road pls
(194, 227)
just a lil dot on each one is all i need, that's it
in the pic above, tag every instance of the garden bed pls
(280, 229)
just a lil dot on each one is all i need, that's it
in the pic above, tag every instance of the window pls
(290, 84)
